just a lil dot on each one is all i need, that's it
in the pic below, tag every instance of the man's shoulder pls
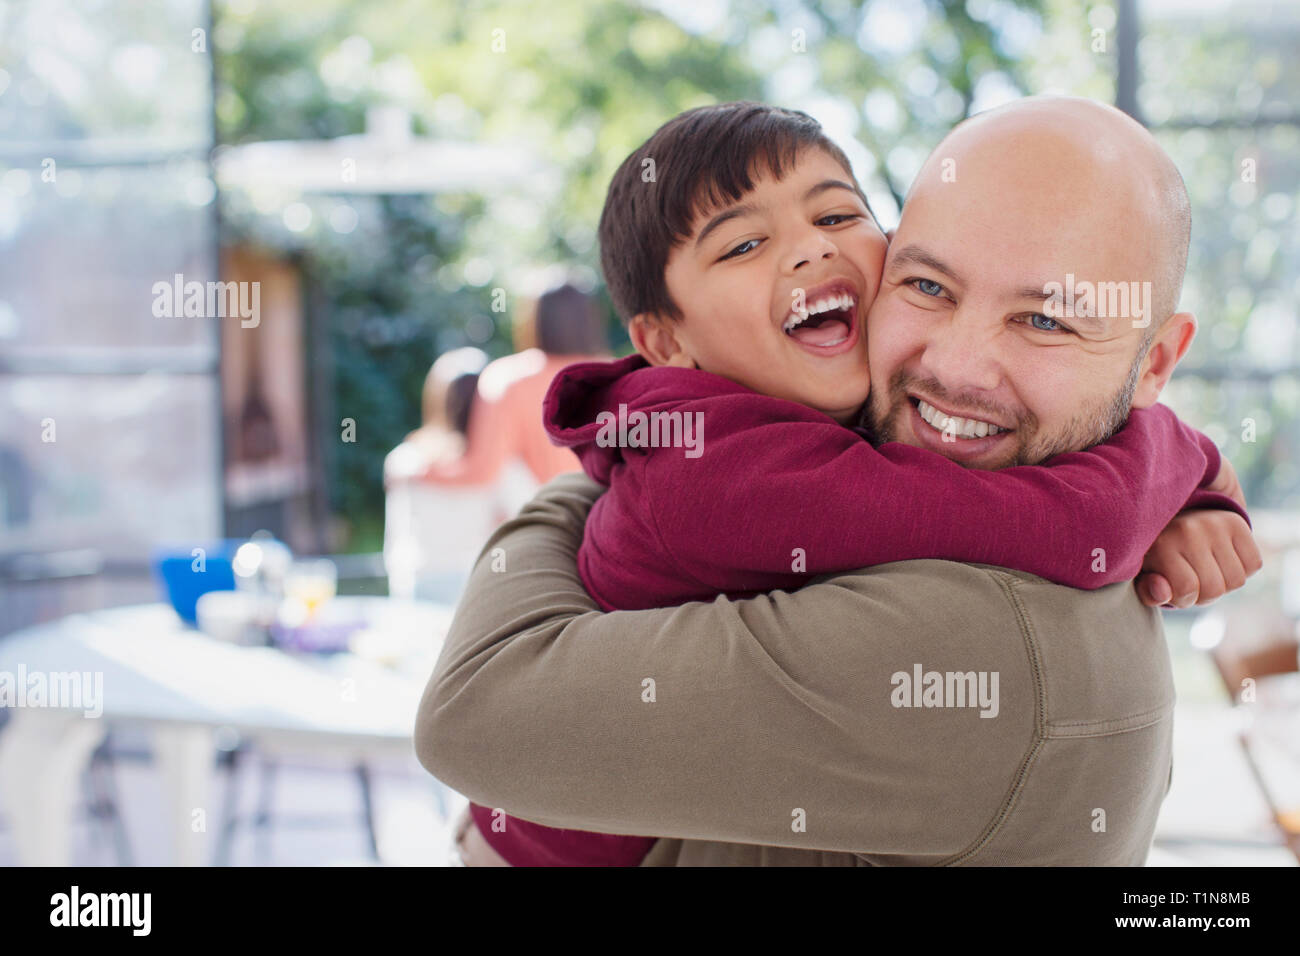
(1099, 656)
(1103, 654)
(1076, 684)
(931, 579)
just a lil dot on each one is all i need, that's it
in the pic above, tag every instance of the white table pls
(183, 686)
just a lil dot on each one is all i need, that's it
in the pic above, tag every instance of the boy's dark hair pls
(569, 323)
(701, 159)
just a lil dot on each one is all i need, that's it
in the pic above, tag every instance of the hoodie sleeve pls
(771, 505)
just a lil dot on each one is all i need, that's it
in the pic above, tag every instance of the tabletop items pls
(255, 592)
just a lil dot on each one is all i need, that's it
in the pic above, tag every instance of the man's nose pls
(962, 352)
(810, 245)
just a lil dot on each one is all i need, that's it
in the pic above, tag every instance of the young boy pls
(724, 440)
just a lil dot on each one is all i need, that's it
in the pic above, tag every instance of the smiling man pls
(1013, 206)
(838, 724)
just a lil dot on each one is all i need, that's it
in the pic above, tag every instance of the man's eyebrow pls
(915, 254)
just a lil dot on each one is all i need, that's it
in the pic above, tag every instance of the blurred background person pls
(432, 533)
(508, 447)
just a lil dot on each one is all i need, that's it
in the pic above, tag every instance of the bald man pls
(917, 713)
(1016, 207)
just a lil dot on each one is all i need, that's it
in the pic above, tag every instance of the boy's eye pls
(926, 287)
(839, 217)
(741, 249)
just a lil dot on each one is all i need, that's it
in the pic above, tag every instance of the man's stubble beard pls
(1089, 428)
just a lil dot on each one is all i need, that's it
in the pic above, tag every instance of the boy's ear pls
(1166, 351)
(657, 341)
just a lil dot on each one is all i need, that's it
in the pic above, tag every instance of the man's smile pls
(956, 425)
(963, 438)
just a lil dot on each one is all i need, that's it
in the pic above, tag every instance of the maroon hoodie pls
(716, 489)
(770, 493)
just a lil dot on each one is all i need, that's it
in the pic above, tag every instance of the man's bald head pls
(1084, 154)
(1030, 287)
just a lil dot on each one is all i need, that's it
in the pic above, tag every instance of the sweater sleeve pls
(780, 502)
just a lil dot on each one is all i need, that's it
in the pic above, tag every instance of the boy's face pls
(775, 288)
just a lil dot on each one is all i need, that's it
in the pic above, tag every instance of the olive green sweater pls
(916, 713)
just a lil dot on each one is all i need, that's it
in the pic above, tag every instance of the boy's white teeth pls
(960, 427)
(844, 301)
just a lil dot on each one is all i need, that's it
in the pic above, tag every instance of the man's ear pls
(1167, 350)
(657, 341)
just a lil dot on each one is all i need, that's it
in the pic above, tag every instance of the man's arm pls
(732, 720)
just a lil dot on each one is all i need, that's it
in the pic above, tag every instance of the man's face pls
(774, 289)
(964, 356)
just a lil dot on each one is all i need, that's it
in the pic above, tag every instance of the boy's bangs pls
(724, 178)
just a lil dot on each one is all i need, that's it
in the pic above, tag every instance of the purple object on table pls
(319, 637)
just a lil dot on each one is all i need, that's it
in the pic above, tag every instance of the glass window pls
(109, 413)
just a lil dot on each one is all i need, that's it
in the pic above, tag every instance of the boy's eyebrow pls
(826, 184)
(746, 208)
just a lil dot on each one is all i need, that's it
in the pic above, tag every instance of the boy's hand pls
(1199, 557)
(1226, 482)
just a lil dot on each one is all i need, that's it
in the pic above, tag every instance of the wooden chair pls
(1237, 662)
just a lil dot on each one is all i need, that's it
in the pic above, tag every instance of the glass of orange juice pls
(312, 583)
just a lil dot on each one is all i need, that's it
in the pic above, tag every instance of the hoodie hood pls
(579, 393)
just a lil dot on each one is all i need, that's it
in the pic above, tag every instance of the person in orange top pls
(506, 419)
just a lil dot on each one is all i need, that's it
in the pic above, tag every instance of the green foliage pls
(387, 322)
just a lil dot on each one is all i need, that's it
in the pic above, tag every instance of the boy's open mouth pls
(826, 323)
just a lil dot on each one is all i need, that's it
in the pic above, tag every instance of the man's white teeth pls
(846, 300)
(961, 427)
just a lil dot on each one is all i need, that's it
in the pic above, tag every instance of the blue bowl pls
(184, 576)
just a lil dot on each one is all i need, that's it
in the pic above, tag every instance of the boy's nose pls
(809, 248)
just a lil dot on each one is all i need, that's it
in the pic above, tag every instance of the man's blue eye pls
(1046, 324)
(928, 287)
